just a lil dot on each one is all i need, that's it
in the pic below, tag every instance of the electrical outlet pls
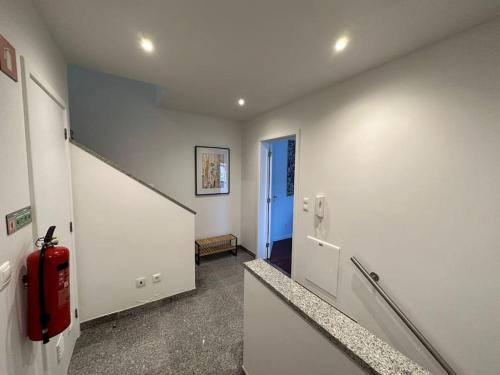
(156, 277)
(60, 348)
(140, 282)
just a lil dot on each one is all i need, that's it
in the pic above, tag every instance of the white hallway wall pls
(122, 225)
(21, 25)
(408, 157)
(118, 118)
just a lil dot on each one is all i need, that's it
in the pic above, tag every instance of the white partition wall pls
(278, 340)
(125, 231)
(119, 119)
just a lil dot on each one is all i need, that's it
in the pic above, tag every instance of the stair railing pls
(373, 279)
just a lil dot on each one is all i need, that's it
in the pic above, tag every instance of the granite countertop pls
(368, 350)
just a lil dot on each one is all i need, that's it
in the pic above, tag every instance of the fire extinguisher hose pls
(44, 316)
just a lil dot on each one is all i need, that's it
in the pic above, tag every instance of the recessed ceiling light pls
(341, 43)
(241, 102)
(147, 45)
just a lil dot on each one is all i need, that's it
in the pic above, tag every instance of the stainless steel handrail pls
(373, 278)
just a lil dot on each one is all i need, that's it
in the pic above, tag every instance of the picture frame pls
(212, 167)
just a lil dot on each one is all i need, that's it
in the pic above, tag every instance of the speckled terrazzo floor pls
(197, 334)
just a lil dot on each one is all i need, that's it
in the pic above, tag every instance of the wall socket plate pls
(140, 282)
(156, 277)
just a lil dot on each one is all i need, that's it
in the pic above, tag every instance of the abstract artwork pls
(290, 168)
(212, 170)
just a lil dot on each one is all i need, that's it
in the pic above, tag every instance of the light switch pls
(5, 274)
(305, 204)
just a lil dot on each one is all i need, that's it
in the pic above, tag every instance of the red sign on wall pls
(8, 62)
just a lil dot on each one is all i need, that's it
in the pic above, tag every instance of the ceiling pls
(209, 53)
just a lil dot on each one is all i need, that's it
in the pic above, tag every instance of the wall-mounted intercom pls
(319, 208)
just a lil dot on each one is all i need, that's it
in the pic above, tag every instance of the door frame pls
(263, 173)
(28, 73)
(268, 182)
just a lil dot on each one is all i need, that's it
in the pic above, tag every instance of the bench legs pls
(197, 255)
(235, 251)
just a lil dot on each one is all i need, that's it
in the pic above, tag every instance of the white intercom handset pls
(319, 208)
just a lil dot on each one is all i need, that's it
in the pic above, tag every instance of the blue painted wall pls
(282, 205)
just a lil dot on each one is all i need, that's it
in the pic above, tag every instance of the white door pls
(48, 162)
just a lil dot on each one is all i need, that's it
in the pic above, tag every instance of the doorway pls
(280, 187)
(50, 187)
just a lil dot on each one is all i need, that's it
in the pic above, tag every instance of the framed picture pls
(212, 170)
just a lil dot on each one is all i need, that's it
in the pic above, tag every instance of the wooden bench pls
(215, 245)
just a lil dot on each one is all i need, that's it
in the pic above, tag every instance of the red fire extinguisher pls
(48, 289)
